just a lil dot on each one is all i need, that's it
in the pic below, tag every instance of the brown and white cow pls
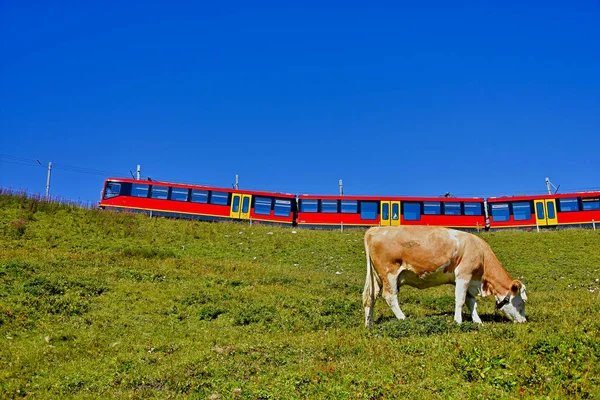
(423, 257)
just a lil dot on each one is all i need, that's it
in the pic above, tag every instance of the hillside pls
(97, 304)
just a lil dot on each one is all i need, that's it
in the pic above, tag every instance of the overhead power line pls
(43, 164)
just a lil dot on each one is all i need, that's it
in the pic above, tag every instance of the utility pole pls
(138, 172)
(237, 182)
(341, 188)
(48, 180)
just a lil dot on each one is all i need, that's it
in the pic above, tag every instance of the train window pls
(159, 192)
(179, 194)
(368, 209)
(551, 212)
(500, 212)
(539, 208)
(412, 211)
(112, 190)
(395, 211)
(283, 208)
(432, 208)
(522, 210)
(329, 206)
(452, 208)
(349, 206)
(569, 204)
(219, 198)
(200, 196)
(262, 205)
(309, 205)
(473, 209)
(385, 211)
(235, 207)
(591, 203)
(246, 204)
(138, 190)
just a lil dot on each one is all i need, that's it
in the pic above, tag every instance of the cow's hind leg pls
(390, 294)
(371, 291)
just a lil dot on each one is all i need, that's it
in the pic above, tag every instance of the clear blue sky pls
(395, 98)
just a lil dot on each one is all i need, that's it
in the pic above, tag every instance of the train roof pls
(201, 187)
(543, 196)
(365, 198)
(392, 198)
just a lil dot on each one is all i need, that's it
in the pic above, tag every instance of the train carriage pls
(365, 211)
(197, 202)
(544, 211)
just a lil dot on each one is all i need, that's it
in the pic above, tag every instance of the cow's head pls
(513, 305)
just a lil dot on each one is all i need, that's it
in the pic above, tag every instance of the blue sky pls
(395, 98)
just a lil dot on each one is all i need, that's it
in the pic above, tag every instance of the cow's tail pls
(372, 283)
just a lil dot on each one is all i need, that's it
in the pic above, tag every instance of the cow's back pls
(420, 247)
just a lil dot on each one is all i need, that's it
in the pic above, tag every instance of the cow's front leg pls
(390, 294)
(472, 306)
(460, 294)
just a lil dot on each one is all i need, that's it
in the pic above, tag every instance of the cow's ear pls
(515, 287)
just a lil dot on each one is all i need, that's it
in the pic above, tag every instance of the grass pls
(96, 304)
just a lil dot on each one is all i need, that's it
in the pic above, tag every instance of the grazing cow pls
(423, 256)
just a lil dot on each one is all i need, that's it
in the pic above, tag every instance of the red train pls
(212, 204)
(557, 210)
(363, 211)
(197, 202)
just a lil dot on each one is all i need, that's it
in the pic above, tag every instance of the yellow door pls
(545, 212)
(390, 213)
(236, 199)
(384, 213)
(395, 213)
(240, 206)
(551, 218)
(245, 210)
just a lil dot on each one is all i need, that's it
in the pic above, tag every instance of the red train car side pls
(364, 211)
(558, 210)
(213, 204)
(197, 202)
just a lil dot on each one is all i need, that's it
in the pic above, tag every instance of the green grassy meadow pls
(97, 304)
